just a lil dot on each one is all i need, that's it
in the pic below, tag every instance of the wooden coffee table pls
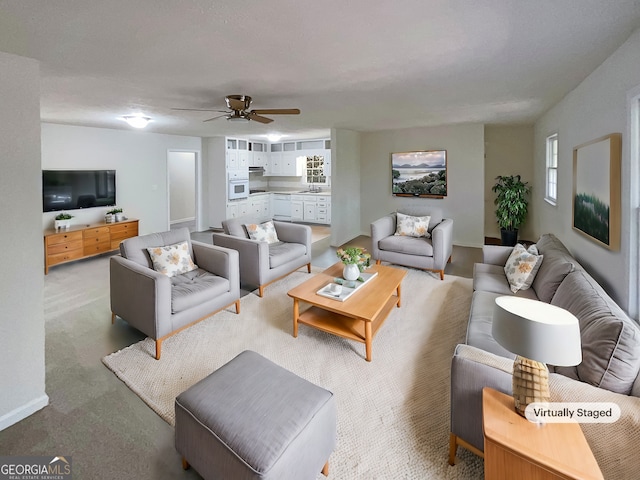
(360, 316)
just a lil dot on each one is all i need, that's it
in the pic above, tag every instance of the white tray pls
(347, 288)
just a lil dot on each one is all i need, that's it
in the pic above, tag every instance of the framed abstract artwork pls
(596, 190)
(419, 174)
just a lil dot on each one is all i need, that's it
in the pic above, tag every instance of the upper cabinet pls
(237, 155)
(258, 154)
(289, 158)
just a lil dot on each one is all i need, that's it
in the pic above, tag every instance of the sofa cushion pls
(172, 260)
(410, 245)
(521, 267)
(233, 226)
(421, 211)
(135, 248)
(480, 321)
(283, 252)
(410, 226)
(195, 288)
(491, 278)
(557, 264)
(263, 232)
(610, 340)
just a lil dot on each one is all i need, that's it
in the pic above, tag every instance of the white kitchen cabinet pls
(243, 154)
(237, 208)
(258, 154)
(297, 208)
(323, 209)
(310, 210)
(259, 208)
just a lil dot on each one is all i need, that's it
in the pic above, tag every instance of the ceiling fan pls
(238, 110)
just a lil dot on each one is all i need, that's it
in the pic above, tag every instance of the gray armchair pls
(262, 263)
(425, 253)
(160, 306)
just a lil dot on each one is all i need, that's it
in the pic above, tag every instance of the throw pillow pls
(411, 226)
(521, 267)
(265, 232)
(172, 260)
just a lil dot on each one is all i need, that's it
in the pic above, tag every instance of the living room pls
(604, 100)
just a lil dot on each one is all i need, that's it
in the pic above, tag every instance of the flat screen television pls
(72, 189)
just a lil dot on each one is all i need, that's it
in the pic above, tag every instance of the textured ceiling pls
(358, 64)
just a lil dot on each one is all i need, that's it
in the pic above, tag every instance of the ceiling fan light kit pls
(238, 110)
(137, 121)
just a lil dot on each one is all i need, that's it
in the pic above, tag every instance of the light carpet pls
(393, 412)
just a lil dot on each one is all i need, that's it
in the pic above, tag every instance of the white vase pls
(62, 224)
(351, 272)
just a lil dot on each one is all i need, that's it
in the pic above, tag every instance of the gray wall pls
(465, 171)
(597, 107)
(346, 187)
(140, 161)
(22, 369)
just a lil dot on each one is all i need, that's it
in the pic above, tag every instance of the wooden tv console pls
(82, 241)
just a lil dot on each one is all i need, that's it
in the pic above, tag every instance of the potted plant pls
(355, 260)
(63, 221)
(118, 216)
(511, 206)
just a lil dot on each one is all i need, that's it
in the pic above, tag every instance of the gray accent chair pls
(160, 306)
(262, 263)
(426, 253)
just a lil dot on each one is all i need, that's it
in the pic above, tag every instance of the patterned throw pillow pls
(265, 232)
(172, 260)
(522, 266)
(412, 226)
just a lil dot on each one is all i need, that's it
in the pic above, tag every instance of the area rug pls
(393, 412)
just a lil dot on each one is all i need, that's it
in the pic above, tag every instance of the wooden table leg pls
(399, 295)
(295, 317)
(367, 340)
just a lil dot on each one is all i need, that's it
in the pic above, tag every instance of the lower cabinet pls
(311, 208)
(85, 241)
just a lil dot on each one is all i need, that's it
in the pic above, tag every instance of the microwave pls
(238, 188)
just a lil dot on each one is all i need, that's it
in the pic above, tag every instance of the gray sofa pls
(610, 350)
(160, 306)
(426, 253)
(262, 263)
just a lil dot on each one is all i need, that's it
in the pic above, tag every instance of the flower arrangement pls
(115, 210)
(354, 256)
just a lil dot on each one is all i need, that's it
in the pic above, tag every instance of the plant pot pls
(108, 218)
(509, 238)
(119, 217)
(351, 272)
(62, 224)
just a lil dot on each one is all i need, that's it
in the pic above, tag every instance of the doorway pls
(182, 177)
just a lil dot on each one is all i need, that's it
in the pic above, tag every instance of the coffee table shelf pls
(357, 318)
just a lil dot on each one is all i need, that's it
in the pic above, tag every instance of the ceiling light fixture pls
(273, 137)
(137, 121)
(238, 118)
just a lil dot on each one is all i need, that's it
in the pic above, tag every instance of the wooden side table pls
(517, 448)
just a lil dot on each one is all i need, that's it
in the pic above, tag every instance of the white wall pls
(182, 186)
(22, 367)
(214, 171)
(509, 151)
(465, 172)
(346, 189)
(140, 161)
(597, 107)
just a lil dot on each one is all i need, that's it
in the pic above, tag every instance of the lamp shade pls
(537, 330)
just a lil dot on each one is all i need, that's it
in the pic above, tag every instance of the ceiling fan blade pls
(213, 118)
(199, 110)
(278, 111)
(253, 116)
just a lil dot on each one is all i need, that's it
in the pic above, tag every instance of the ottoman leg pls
(185, 464)
(325, 469)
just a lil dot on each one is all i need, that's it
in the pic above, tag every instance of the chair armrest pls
(442, 241)
(294, 233)
(220, 261)
(472, 369)
(496, 254)
(382, 228)
(141, 296)
(253, 256)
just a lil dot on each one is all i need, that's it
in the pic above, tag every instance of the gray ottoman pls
(252, 419)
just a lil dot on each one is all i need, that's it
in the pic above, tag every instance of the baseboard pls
(23, 411)
(182, 220)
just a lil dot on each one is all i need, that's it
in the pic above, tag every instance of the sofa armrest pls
(294, 233)
(141, 296)
(472, 369)
(253, 256)
(496, 254)
(220, 261)
(442, 241)
(381, 228)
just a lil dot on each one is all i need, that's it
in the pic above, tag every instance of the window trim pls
(553, 138)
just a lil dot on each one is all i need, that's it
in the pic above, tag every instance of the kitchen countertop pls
(289, 192)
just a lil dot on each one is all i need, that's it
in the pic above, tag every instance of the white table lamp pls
(538, 333)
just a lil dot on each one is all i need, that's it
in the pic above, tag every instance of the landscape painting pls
(419, 174)
(596, 190)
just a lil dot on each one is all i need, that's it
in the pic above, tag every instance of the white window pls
(551, 194)
(314, 170)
